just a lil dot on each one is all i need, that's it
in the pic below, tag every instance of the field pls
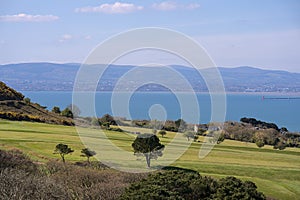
(276, 173)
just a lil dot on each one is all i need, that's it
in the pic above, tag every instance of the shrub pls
(260, 143)
(233, 188)
(15, 159)
(180, 184)
(27, 100)
(56, 109)
(17, 184)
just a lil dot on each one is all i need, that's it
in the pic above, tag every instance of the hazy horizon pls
(261, 34)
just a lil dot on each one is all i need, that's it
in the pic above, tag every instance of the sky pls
(263, 34)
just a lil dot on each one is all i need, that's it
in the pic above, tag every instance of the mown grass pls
(276, 173)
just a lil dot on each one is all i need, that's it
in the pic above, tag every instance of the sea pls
(281, 109)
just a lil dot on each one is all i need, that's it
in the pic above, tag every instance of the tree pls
(189, 135)
(181, 125)
(108, 119)
(75, 110)
(87, 153)
(27, 100)
(67, 113)
(147, 145)
(162, 133)
(62, 150)
(56, 109)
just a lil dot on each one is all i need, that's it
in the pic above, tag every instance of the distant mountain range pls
(60, 77)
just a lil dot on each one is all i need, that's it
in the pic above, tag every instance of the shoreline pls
(180, 92)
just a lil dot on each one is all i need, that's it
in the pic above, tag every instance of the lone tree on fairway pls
(149, 146)
(62, 150)
(162, 133)
(87, 153)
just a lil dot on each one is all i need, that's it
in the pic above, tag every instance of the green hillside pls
(276, 173)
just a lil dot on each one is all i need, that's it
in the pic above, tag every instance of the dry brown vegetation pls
(20, 178)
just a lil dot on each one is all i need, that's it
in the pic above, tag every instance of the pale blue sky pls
(259, 33)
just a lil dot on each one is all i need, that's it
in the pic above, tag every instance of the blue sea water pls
(283, 112)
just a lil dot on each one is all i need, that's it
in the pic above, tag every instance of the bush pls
(280, 145)
(17, 184)
(233, 188)
(56, 109)
(180, 184)
(27, 100)
(67, 113)
(260, 143)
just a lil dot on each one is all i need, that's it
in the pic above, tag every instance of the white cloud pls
(192, 6)
(170, 5)
(28, 18)
(166, 5)
(116, 8)
(65, 37)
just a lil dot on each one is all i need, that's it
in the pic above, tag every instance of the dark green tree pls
(162, 133)
(147, 145)
(181, 125)
(87, 153)
(67, 113)
(108, 119)
(62, 150)
(56, 109)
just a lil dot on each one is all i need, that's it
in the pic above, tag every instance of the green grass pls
(276, 173)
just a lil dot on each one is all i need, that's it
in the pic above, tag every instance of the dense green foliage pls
(67, 113)
(147, 145)
(258, 123)
(179, 184)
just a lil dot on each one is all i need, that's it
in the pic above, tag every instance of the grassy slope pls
(277, 173)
